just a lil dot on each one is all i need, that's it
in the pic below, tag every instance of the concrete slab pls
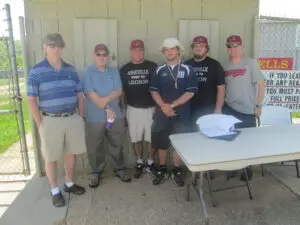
(34, 205)
(286, 174)
(139, 202)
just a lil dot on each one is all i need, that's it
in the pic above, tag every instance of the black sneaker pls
(178, 177)
(160, 176)
(151, 169)
(139, 170)
(58, 200)
(249, 174)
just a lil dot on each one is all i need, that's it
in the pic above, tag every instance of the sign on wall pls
(275, 63)
(283, 89)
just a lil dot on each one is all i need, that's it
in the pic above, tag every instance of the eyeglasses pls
(102, 54)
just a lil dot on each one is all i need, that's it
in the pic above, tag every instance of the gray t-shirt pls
(241, 89)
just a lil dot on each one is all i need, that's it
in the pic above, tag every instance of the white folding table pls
(254, 146)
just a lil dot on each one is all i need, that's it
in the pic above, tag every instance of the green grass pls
(296, 114)
(8, 126)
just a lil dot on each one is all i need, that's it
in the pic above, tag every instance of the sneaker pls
(58, 200)
(160, 176)
(177, 177)
(249, 174)
(123, 176)
(75, 189)
(139, 170)
(94, 180)
(151, 169)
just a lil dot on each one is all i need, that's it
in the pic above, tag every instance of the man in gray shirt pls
(244, 87)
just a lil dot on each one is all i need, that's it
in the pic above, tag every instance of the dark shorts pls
(160, 132)
(248, 120)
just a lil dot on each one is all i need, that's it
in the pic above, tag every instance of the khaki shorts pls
(139, 123)
(62, 135)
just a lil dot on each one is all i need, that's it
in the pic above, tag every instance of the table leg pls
(210, 190)
(199, 191)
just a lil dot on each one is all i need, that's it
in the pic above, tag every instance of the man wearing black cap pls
(139, 105)
(103, 87)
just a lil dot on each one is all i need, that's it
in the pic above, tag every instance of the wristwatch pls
(106, 107)
(258, 106)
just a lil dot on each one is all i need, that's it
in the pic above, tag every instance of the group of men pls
(74, 116)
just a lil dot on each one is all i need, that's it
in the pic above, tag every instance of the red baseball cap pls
(101, 47)
(137, 44)
(234, 40)
(200, 40)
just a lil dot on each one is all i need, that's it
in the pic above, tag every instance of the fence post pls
(12, 52)
(34, 132)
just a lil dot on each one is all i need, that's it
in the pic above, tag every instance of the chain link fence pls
(13, 146)
(279, 59)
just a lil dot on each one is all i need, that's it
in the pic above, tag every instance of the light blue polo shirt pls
(102, 83)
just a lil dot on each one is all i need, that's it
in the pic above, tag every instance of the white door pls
(188, 29)
(90, 32)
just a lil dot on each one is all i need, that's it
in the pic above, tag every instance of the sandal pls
(75, 189)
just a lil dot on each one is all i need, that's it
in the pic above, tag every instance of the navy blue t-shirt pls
(163, 82)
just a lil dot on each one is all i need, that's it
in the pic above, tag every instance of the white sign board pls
(282, 89)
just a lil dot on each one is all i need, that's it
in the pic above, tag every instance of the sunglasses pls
(102, 54)
(232, 46)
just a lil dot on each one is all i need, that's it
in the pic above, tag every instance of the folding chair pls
(276, 115)
(209, 121)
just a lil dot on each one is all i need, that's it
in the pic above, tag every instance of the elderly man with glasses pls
(104, 120)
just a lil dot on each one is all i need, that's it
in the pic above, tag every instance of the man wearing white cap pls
(172, 86)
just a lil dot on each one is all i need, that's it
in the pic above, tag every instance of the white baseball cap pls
(171, 43)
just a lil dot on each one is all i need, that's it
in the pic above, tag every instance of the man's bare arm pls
(261, 92)
(101, 102)
(34, 109)
(165, 107)
(183, 99)
(220, 98)
(115, 94)
(157, 98)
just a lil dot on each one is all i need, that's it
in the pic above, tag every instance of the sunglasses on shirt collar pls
(101, 54)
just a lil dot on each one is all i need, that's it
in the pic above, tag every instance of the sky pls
(279, 8)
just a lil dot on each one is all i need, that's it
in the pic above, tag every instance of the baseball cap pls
(101, 47)
(234, 40)
(137, 44)
(200, 40)
(171, 43)
(54, 39)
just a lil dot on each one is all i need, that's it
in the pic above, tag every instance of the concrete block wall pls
(150, 20)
